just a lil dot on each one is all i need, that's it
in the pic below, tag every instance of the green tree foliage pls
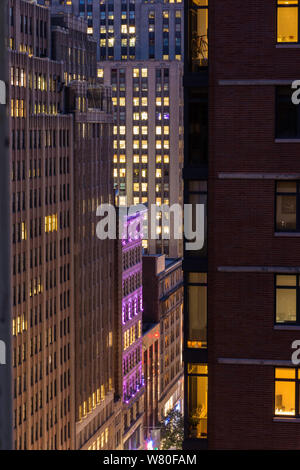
(172, 431)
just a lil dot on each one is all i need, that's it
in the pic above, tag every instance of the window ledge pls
(288, 45)
(286, 419)
(287, 234)
(287, 141)
(287, 327)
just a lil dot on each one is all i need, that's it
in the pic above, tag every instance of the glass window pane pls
(287, 25)
(285, 305)
(197, 316)
(282, 280)
(285, 373)
(197, 368)
(286, 218)
(197, 406)
(197, 278)
(285, 398)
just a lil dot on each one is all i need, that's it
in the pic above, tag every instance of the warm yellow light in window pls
(100, 73)
(144, 159)
(136, 130)
(136, 159)
(287, 22)
(136, 72)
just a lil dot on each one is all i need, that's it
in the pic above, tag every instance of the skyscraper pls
(242, 146)
(63, 276)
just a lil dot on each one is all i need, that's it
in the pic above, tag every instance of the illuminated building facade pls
(131, 381)
(242, 145)
(63, 275)
(163, 300)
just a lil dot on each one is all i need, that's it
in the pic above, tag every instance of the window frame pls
(297, 288)
(297, 195)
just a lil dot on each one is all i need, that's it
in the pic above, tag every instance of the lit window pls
(197, 310)
(287, 206)
(287, 20)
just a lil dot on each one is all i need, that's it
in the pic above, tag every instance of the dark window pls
(198, 128)
(287, 382)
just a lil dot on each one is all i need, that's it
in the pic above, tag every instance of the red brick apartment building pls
(242, 146)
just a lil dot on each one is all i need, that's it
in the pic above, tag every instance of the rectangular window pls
(198, 38)
(287, 21)
(287, 299)
(197, 310)
(287, 383)
(197, 400)
(287, 206)
(287, 114)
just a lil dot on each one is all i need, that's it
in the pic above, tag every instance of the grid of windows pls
(287, 206)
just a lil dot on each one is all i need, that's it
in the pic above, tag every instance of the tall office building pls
(140, 52)
(63, 317)
(163, 299)
(242, 144)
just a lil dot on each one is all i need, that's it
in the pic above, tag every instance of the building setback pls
(63, 317)
(241, 312)
(163, 299)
